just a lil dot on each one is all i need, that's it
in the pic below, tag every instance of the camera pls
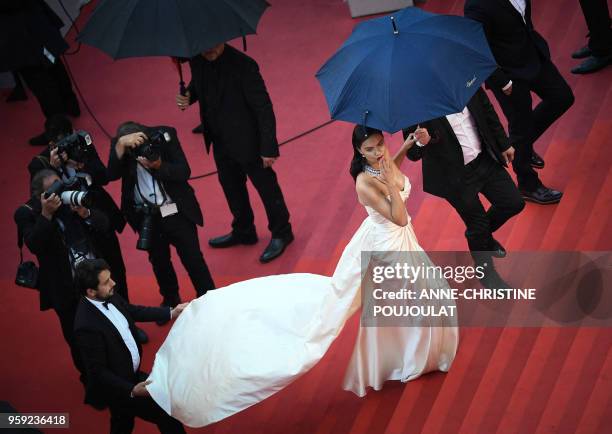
(76, 145)
(151, 148)
(71, 192)
(146, 227)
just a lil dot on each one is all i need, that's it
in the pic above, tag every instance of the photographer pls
(159, 203)
(69, 153)
(60, 235)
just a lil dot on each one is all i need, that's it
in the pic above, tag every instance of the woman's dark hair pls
(360, 134)
(38, 182)
(86, 274)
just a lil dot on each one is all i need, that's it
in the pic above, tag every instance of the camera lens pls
(76, 198)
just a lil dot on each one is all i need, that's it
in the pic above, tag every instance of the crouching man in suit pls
(105, 334)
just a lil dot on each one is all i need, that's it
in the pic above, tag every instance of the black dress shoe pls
(537, 162)
(542, 195)
(275, 248)
(171, 302)
(39, 140)
(582, 53)
(497, 250)
(198, 130)
(231, 239)
(592, 64)
(141, 336)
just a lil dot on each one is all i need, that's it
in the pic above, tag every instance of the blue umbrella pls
(405, 68)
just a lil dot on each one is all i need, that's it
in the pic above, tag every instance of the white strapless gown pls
(236, 346)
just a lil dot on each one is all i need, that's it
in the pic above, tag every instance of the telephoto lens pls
(76, 198)
(145, 233)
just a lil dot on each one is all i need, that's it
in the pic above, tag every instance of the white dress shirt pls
(520, 6)
(122, 326)
(149, 188)
(466, 131)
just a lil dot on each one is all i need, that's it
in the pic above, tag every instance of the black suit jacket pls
(108, 362)
(442, 157)
(518, 48)
(45, 239)
(174, 173)
(235, 108)
(95, 168)
(26, 26)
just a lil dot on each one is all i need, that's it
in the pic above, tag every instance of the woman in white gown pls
(235, 346)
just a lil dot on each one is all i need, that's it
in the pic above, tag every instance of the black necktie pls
(105, 304)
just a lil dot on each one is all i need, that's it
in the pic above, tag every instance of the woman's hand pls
(386, 172)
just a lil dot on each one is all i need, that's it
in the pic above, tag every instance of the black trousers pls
(110, 249)
(597, 17)
(179, 231)
(484, 175)
(66, 314)
(51, 86)
(125, 411)
(526, 125)
(233, 177)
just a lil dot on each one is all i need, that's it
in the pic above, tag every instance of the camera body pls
(146, 227)
(76, 145)
(71, 192)
(151, 148)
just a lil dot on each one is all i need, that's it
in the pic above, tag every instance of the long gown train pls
(236, 346)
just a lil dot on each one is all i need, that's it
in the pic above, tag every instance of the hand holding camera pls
(129, 141)
(55, 159)
(82, 212)
(50, 204)
(148, 164)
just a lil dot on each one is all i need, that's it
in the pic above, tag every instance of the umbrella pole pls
(182, 88)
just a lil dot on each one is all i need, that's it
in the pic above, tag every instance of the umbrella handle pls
(182, 88)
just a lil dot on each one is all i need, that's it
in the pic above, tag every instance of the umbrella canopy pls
(405, 68)
(182, 28)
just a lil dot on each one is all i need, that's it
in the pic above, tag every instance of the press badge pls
(168, 209)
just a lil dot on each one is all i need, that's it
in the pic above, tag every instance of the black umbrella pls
(180, 28)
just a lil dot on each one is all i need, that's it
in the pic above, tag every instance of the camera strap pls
(154, 183)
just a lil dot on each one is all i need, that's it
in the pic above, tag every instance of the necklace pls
(369, 169)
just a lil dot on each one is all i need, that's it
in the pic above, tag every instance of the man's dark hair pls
(131, 127)
(86, 274)
(57, 127)
(38, 181)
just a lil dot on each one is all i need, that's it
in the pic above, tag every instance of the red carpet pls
(502, 381)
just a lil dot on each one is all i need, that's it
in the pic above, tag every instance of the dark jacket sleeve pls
(193, 93)
(148, 314)
(96, 169)
(493, 121)
(98, 221)
(39, 234)
(476, 12)
(415, 153)
(93, 351)
(116, 166)
(260, 104)
(174, 166)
